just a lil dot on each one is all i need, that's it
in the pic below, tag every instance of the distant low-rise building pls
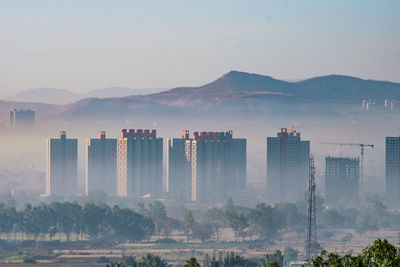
(61, 165)
(101, 164)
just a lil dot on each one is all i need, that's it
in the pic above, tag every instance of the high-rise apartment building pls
(61, 165)
(342, 177)
(218, 165)
(139, 163)
(287, 166)
(21, 119)
(179, 168)
(392, 169)
(101, 164)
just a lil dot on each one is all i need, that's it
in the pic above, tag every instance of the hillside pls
(237, 93)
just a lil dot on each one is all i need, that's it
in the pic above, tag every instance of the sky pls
(83, 45)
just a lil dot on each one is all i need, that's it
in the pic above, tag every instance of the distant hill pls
(63, 96)
(240, 86)
(45, 95)
(118, 92)
(238, 93)
(246, 93)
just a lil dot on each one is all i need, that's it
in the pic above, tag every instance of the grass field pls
(178, 253)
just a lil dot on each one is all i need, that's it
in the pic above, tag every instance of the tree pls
(381, 253)
(188, 222)
(192, 262)
(94, 219)
(238, 222)
(153, 261)
(203, 231)
(148, 227)
(218, 218)
(69, 218)
(158, 213)
(168, 225)
(274, 259)
(289, 254)
(264, 221)
(129, 225)
(206, 260)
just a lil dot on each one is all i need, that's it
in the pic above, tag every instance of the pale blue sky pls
(86, 44)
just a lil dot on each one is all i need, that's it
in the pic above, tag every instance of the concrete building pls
(139, 163)
(287, 166)
(342, 177)
(101, 164)
(61, 166)
(179, 168)
(21, 119)
(392, 169)
(218, 165)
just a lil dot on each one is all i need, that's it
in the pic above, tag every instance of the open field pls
(178, 253)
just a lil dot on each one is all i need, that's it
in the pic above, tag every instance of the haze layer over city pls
(177, 133)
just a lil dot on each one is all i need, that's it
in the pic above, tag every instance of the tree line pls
(379, 254)
(90, 221)
(262, 222)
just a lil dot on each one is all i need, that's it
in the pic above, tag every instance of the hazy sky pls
(81, 45)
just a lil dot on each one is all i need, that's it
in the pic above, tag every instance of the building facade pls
(61, 166)
(139, 163)
(101, 164)
(178, 183)
(342, 177)
(218, 165)
(287, 166)
(392, 170)
(21, 119)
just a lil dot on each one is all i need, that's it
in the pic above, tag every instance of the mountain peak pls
(234, 74)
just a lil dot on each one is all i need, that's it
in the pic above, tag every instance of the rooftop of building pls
(139, 133)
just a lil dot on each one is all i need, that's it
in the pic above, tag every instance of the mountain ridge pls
(243, 93)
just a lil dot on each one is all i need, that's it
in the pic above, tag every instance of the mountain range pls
(233, 93)
(63, 96)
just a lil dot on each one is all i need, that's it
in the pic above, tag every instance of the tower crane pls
(362, 146)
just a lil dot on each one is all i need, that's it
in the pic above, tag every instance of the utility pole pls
(311, 208)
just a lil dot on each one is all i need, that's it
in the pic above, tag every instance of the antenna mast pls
(311, 207)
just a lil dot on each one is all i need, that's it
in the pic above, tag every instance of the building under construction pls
(342, 177)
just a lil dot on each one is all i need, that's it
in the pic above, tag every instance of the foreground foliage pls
(380, 254)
